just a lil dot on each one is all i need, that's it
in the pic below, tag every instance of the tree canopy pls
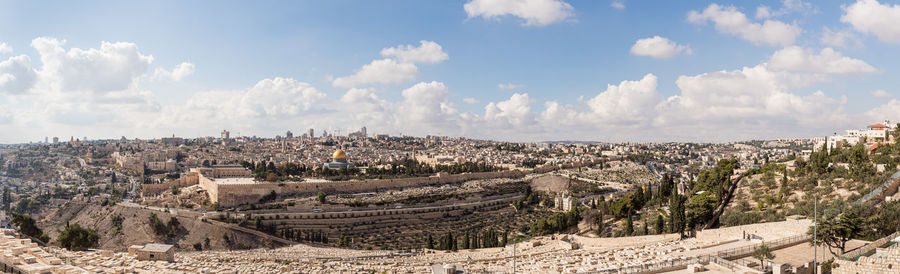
(74, 237)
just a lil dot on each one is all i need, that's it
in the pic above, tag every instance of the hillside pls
(136, 230)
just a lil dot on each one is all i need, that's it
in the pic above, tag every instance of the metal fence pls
(744, 251)
(721, 257)
(879, 190)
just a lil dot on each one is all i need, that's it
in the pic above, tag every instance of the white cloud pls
(788, 6)
(559, 115)
(5, 116)
(839, 38)
(516, 111)
(888, 111)
(179, 72)
(426, 106)
(763, 12)
(534, 12)
(270, 102)
(826, 61)
(17, 75)
(618, 4)
(113, 67)
(427, 52)
(509, 86)
(367, 108)
(747, 103)
(380, 71)
(364, 97)
(398, 66)
(5, 49)
(280, 96)
(881, 94)
(627, 102)
(658, 47)
(871, 17)
(470, 100)
(730, 20)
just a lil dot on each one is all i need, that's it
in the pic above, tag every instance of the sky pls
(510, 70)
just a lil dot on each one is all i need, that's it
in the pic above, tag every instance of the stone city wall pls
(188, 179)
(238, 194)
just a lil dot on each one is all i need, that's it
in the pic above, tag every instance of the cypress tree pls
(629, 227)
(660, 224)
(676, 214)
(600, 225)
(453, 244)
(465, 244)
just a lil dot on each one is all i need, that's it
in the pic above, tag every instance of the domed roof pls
(339, 154)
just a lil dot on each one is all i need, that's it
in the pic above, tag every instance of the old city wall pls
(155, 189)
(206, 178)
(210, 186)
(238, 194)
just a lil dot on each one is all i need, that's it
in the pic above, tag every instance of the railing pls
(725, 263)
(855, 254)
(890, 183)
(776, 244)
(720, 257)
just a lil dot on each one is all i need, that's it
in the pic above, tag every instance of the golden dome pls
(339, 154)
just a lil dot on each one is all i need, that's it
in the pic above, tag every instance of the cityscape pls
(731, 137)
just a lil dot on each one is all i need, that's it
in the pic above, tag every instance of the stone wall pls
(234, 194)
(155, 189)
(883, 261)
(772, 231)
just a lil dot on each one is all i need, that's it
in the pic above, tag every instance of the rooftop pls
(157, 248)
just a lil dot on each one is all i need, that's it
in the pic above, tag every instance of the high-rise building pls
(226, 134)
(311, 133)
(55, 140)
(289, 134)
(359, 134)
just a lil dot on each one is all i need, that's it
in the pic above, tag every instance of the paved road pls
(134, 186)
